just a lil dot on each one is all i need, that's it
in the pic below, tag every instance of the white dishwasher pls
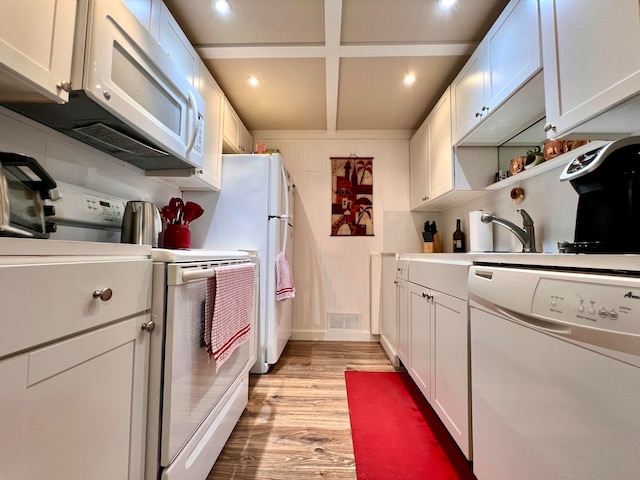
(73, 359)
(555, 367)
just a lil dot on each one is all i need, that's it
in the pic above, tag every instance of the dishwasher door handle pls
(544, 325)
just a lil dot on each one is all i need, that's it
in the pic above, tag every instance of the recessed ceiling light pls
(253, 81)
(409, 79)
(445, 4)
(222, 6)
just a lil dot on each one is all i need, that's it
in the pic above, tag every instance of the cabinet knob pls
(478, 114)
(485, 108)
(105, 294)
(65, 86)
(425, 198)
(549, 126)
(149, 326)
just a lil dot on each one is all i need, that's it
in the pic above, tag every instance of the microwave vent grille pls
(117, 140)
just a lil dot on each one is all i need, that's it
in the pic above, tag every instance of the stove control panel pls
(81, 206)
(598, 305)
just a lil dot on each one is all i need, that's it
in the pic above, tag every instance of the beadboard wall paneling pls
(332, 274)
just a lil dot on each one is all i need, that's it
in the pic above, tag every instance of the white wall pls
(550, 203)
(70, 161)
(332, 274)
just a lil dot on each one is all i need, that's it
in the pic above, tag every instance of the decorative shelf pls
(559, 161)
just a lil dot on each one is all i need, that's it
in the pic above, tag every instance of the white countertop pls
(566, 260)
(50, 248)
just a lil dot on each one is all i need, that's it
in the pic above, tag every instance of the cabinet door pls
(440, 149)
(245, 139)
(450, 386)
(212, 141)
(511, 51)
(173, 40)
(402, 299)
(388, 328)
(467, 94)
(36, 43)
(76, 409)
(419, 165)
(420, 338)
(586, 73)
(231, 129)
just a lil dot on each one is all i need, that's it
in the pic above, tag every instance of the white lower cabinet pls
(74, 371)
(437, 326)
(450, 366)
(420, 319)
(402, 296)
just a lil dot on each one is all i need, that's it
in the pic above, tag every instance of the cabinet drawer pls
(56, 299)
(444, 277)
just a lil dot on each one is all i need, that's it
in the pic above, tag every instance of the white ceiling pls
(335, 64)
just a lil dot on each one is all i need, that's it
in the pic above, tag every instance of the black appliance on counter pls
(24, 185)
(607, 180)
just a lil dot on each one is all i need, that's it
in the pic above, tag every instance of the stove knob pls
(50, 227)
(49, 210)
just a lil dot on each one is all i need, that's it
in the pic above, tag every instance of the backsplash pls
(70, 161)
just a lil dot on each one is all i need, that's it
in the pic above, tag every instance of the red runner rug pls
(396, 434)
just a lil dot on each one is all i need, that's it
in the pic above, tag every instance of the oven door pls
(128, 73)
(192, 388)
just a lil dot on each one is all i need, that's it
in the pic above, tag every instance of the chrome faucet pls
(526, 236)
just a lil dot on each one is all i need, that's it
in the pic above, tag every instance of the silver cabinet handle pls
(549, 126)
(65, 86)
(149, 326)
(105, 294)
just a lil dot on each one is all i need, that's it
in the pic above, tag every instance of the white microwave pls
(126, 95)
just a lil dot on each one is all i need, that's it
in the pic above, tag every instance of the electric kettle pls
(141, 223)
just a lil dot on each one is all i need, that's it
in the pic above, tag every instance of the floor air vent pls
(343, 322)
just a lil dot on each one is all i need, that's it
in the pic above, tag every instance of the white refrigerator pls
(254, 211)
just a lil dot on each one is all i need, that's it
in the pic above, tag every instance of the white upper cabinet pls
(172, 39)
(431, 155)
(511, 51)
(439, 147)
(442, 177)
(501, 76)
(419, 167)
(236, 137)
(36, 43)
(591, 67)
(468, 96)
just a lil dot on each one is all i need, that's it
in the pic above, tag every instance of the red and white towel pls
(228, 308)
(285, 288)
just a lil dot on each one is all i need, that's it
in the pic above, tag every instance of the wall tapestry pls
(352, 202)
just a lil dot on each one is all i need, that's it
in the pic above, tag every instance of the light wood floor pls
(296, 425)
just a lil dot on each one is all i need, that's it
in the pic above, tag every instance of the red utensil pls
(192, 211)
(178, 209)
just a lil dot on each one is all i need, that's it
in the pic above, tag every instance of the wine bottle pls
(458, 238)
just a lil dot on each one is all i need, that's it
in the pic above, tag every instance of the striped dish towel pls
(285, 288)
(228, 308)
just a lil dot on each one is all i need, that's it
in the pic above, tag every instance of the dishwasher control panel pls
(598, 305)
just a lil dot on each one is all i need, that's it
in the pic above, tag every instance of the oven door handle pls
(191, 275)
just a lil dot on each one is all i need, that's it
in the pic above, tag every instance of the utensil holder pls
(177, 236)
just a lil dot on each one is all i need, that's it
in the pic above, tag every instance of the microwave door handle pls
(194, 130)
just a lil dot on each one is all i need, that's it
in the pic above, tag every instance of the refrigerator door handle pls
(284, 240)
(285, 185)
